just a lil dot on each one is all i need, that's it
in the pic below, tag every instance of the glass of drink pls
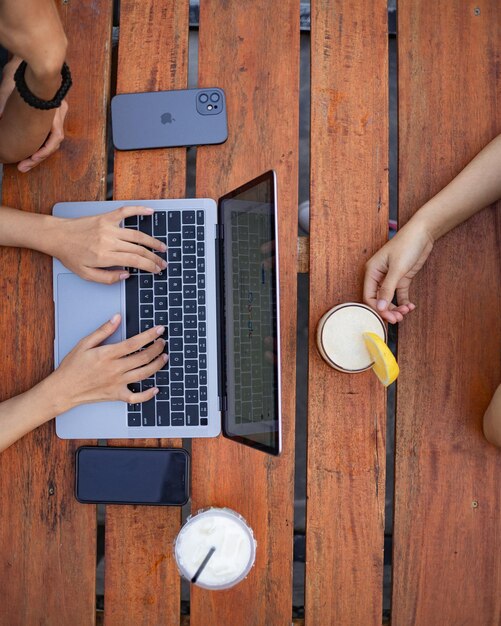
(340, 336)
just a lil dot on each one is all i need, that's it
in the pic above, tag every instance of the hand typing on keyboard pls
(92, 372)
(87, 245)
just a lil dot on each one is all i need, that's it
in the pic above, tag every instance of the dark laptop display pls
(249, 263)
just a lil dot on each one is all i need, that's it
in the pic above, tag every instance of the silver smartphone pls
(167, 119)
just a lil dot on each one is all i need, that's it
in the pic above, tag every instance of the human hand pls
(391, 270)
(92, 372)
(86, 245)
(56, 134)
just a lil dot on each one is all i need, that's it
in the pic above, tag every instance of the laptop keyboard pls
(174, 298)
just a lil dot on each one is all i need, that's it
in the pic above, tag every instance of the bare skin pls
(391, 270)
(31, 30)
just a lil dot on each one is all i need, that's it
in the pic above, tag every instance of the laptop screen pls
(251, 328)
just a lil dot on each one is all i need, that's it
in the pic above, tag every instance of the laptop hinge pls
(219, 231)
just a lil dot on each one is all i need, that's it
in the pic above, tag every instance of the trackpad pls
(82, 307)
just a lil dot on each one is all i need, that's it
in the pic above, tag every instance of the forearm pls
(27, 411)
(474, 188)
(21, 229)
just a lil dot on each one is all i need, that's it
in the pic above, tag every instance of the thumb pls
(387, 289)
(102, 333)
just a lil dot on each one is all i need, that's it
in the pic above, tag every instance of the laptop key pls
(200, 248)
(145, 281)
(202, 345)
(189, 261)
(146, 311)
(174, 284)
(174, 221)
(201, 265)
(134, 419)
(177, 419)
(148, 411)
(201, 313)
(131, 222)
(192, 415)
(163, 393)
(162, 377)
(191, 366)
(145, 224)
(189, 277)
(191, 396)
(203, 409)
(190, 336)
(189, 246)
(202, 329)
(201, 281)
(175, 314)
(161, 318)
(146, 325)
(203, 377)
(174, 254)
(131, 306)
(200, 233)
(190, 321)
(176, 374)
(177, 404)
(176, 359)
(175, 329)
(191, 381)
(204, 421)
(174, 269)
(190, 306)
(134, 407)
(163, 414)
(159, 224)
(188, 232)
(177, 389)
(188, 217)
(200, 217)
(190, 351)
(145, 296)
(160, 288)
(176, 344)
(189, 291)
(174, 240)
(161, 303)
(148, 383)
(201, 296)
(175, 299)
(203, 393)
(134, 387)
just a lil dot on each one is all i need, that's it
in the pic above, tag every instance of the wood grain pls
(142, 585)
(47, 539)
(348, 223)
(251, 50)
(447, 565)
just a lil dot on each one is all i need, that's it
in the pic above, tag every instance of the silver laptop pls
(219, 302)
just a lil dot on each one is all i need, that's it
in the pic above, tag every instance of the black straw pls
(202, 565)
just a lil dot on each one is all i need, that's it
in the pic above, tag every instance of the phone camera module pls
(209, 101)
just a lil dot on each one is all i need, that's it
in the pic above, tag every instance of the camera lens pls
(203, 97)
(214, 97)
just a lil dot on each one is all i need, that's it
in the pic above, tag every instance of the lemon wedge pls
(385, 365)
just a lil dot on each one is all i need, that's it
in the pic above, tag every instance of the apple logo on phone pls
(167, 118)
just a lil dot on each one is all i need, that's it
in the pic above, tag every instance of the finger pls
(141, 396)
(103, 332)
(387, 289)
(268, 247)
(374, 276)
(147, 371)
(136, 260)
(143, 357)
(123, 212)
(106, 277)
(138, 341)
(136, 236)
(132, 248)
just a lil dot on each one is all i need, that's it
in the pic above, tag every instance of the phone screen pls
(132, 475)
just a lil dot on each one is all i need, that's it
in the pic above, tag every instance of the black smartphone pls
(107, 475)
(165, 119)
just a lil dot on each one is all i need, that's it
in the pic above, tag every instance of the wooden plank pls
(348, 223)
(251, 50)
(447, 568)
(47, 539)
(142, 585)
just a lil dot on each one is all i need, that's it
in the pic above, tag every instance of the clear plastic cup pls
(340, 336)
(215, 548)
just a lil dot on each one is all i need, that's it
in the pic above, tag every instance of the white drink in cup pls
(215, 548)
(340, 336)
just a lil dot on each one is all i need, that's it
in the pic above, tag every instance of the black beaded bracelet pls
(30, 97)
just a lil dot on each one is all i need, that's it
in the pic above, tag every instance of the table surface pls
(446, 566)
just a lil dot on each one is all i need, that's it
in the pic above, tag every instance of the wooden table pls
(447, 564)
